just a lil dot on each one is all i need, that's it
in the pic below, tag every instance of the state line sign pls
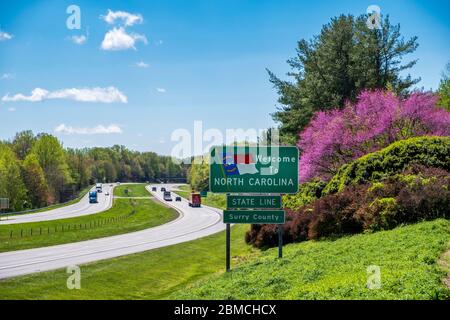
(253, 202)
(264, 169)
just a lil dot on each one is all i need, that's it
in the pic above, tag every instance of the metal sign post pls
(227, 244)
(280, 241)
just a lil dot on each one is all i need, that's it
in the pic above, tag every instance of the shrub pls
(307, 193)
(378, 119)
(335, 214)
(427, 151)
(378, 215)
(418, 193)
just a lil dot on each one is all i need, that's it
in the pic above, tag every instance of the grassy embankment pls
(131, 190)
(407, 257)
(125, 216)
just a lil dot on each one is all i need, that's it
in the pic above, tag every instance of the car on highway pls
(177, 198)
(106, 193)
(163, 189)
(167, 196)
(153, 188)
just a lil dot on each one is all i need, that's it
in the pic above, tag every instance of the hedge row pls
(419, 193)
(427, 151)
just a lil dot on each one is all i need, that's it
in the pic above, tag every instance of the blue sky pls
(202, 60)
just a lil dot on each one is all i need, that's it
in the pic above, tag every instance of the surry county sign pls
(238, 169)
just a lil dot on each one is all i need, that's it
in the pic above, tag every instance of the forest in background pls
(37, 171)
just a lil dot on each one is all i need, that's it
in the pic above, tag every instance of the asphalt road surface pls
(81, 208)
(193, 223)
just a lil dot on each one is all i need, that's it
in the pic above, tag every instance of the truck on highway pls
(98, 187)
(93, 197)
(195, 200)
(167, 196)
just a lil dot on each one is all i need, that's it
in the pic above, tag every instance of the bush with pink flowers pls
(376, 120)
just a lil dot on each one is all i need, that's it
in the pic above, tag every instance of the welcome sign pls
(264, 169)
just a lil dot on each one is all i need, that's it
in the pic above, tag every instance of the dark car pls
(153, 188)
(163, 189)
(177, 198)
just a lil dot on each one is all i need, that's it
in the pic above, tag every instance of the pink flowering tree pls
(376, 120)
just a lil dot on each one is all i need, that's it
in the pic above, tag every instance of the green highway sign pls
(264, 169)
(253, 202)
(254, 216)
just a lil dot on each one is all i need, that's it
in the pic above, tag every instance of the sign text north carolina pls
(238, 169)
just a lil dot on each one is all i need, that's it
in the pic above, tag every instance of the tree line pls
(36, 170)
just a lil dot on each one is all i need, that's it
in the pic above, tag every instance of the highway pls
(80, 208)
(192, 223)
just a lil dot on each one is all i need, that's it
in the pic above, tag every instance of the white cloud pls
(6, 76)
(11, 109)
(119, 39)
(37, 94)
(5, 36)
(100, 129)
(103, 95)
(78, 39)
(161, 90)
(142, 64)
(127, 18)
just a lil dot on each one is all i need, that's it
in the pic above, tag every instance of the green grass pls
(153, 274)
(337, 269)
(148, 213)
(212, 200)
(184, 191)
(134, 190)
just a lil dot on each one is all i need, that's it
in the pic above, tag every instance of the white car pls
(106, 193)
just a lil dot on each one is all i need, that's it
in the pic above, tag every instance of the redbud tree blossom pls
(377, 119)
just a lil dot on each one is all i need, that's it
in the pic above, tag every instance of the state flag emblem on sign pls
(239, 164)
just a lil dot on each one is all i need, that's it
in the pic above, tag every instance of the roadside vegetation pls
(337, 269)
(131, 190)
(126, 215)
